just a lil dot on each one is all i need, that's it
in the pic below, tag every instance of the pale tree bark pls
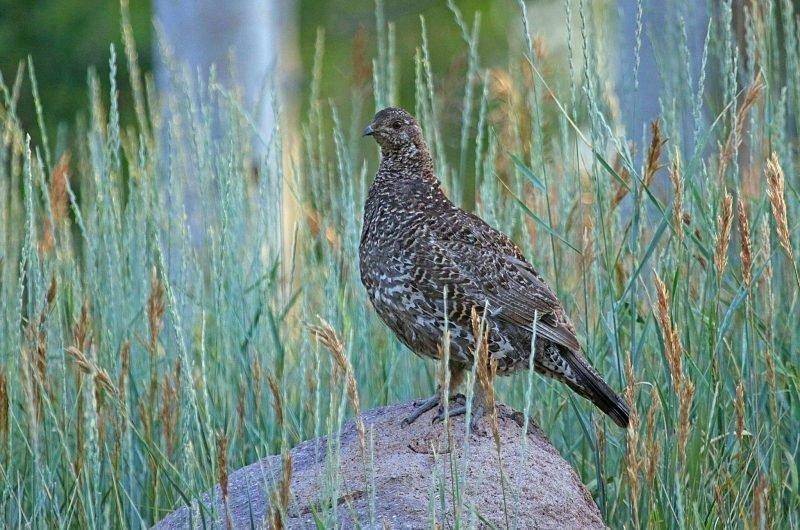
(251, 45)
(668, 30)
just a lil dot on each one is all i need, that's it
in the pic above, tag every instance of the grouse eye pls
(397, 124)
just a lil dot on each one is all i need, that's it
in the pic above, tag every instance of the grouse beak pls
(368, 130)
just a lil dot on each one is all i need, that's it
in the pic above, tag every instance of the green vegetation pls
(65, 37)
(138, 343)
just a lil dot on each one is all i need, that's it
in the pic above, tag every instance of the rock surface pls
(412, 480)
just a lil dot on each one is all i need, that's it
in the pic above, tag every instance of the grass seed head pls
(745, 243)
(222, 474)
(155, 309)
(686, 397)
(723, 234)
(652, 445)
(633, 458)
(277, 400)
(735, 138)
(766, 251)
(739, 406)
(673, 350)
(3, 404)
(676, 178)
(776, 189)
(90, 368)
(59, 198)
(657, 142)
(327, 336)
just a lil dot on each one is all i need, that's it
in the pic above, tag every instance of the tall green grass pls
(152, 282)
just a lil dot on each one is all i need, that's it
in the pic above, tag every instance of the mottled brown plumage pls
(416, 244)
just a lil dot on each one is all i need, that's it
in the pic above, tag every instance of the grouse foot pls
(476, 426)
(427, 404)
(451, 413)
(422, 407)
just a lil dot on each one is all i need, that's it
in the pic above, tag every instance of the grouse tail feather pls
(591, 386)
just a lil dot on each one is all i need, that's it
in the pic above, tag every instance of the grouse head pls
(394, 129)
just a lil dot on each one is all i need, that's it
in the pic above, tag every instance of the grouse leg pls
(478, 410)
(456, 375)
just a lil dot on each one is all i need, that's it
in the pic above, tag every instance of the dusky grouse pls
(416, 245)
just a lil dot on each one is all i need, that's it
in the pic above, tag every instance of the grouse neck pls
(410, 161)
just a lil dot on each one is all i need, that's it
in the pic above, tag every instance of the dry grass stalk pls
(735, 137)
(673, 351)
(82, 340)
(48, 240)
(35, 353)
(485, 373)
(80, 435)
(443, 366)
(657, 142)
(33, 392)
(122, 387)
(81, 330)
(721, 498)
(651, 166)
(625, 176)
(326, 335)
(601, 441)
(155, 309)
(258, 384)
(651, 443)
(772, 383)
(222, 474)
(59, 198)
(508, 117)
(775, 190)
(676, 177)
(59, 203)
(486, 370)
(766, 250)
(125, 366)
(739, 406)
(633, 460)
(277, 399)
(3, 405)
(90, 368)
(761, 513)
(685, 399)
(281, 496)
(745, 243)
(169, 407)
(724, 222)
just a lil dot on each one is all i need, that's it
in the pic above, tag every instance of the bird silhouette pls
(421, 255)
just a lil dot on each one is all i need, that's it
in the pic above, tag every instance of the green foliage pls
(65, 37)
(147, 299)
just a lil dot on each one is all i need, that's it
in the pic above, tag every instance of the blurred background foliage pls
(67, 37)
